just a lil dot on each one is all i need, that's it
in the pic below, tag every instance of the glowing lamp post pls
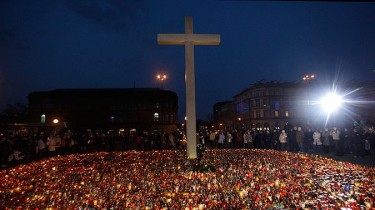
(308, 77)
(55, 121)
(331, 102)
(161, 78)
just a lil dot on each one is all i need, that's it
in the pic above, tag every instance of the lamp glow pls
(331, 102)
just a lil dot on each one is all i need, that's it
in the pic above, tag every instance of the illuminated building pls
(267, 105)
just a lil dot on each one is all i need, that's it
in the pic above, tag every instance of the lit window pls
(43, 118)
(276, 113)
(156, 117)
(286, 113)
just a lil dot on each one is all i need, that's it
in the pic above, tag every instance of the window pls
(264, 102)
(276, 113)
(257, 102)
(265, 113)
(286, 113)
(258, 113)
(43, 118)
(156, 117)
(167, 119)
(173, 118)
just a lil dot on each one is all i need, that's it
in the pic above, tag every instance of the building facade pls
(268, 105)
(143, 109)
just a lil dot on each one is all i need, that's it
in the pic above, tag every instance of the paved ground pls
(368, 160)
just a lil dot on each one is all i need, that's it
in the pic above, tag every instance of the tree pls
(14, 113)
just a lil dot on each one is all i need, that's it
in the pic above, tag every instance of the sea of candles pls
(241, 179)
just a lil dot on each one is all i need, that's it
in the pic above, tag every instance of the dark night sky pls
(50, 44)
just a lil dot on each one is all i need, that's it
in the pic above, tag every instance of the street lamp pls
(308, 77)
(161, 78)
(331, 102)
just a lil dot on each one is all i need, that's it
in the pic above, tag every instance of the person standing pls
(248, 140)
(325, 140)
(221, 140)
(275, 139)
(345, 139)
(51, 142)
(317, 143)
(212, 139)
(239, 140)
(229, 139)
(293, 145)
(300, 138)
(358, 143)
(370, 136)
(335, 134)
(308, 144)
(283, 140)
(268, 139)
(367, 147)
(41, 147)
(172, 139)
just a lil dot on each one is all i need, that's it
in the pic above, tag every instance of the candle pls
(262, 180)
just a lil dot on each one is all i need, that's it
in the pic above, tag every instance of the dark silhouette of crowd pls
(23, 147)
(339, 141)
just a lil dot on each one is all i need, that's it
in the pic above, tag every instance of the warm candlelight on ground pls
(243, 179)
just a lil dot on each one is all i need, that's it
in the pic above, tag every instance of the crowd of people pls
(353, 140)
(22, 147)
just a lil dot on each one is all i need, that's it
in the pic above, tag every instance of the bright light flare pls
(331, 102)
(161, 77)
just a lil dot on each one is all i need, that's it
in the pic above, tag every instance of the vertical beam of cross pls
(189, 39)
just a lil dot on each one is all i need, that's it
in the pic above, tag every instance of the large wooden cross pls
(189, 39)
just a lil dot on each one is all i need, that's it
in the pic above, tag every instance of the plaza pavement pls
(368, 160)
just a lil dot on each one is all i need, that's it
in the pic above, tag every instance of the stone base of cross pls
(189, 39)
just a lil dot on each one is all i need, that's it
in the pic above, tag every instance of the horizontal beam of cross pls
(182, 39)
